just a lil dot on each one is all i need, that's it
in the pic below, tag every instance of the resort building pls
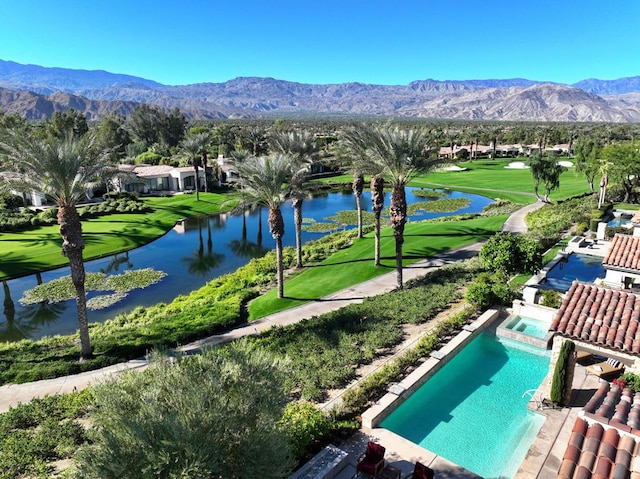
(161, 178)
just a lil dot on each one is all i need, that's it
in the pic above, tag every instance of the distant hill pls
(38, 91)
(610, 87)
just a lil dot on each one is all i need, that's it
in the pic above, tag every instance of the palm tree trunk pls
(398, 216)
(276, 227)
(377, 197)
(204, 167)
(72, 245)
(358, 185)
(297, 221)
(195, 168)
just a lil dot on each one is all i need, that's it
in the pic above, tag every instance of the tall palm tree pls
(265, 182)
(195, 148)
(61, 169)
(302, 148)
(398, 155)
(358, 187)
(354, 149)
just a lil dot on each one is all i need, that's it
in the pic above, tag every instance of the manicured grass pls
(39, 248)
(490, 178)
(355, 264)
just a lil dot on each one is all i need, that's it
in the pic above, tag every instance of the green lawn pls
(354, 265)
(39, 248)
(490, 178)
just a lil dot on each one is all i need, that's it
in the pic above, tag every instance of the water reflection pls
(194, 252)
(200, 262)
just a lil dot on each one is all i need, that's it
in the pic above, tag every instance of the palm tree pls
(195, 148)
(265, 183)
(354, 147)
(302, 148)
(397, 155)
(61, 169)
(358, 187)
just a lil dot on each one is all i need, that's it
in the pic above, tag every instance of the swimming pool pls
(622, 220)
(529, 326)
(582, 267)
(471, 412)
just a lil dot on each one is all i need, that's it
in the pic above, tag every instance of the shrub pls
(611, 231)
(632, 380)
(511, 254)
(550, 298)
(559, 382)
(489, 289)
(306, 426)
(581, 228)
(148, 158)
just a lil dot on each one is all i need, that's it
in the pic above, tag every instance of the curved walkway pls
(12, 394)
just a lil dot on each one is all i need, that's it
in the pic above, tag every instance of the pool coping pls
(400, 392)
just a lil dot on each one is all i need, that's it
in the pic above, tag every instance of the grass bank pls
(490, 178)
(39, 249)
(355, 264)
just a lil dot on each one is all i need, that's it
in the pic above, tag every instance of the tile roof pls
(600, 315)
(616, 407)
(624, 253)
(154, 170)
(599, 452)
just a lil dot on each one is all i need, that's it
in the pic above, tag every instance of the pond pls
(194, 252)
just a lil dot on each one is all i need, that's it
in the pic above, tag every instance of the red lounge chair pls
(420, 471)
(372, 461)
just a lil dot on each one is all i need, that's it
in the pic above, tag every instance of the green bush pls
(632, 380)
(489, 289)
(551, 298)
(148, 158)
(559, 382)
(34, 435)
(581, 228)
(611, 231)
(306, 426)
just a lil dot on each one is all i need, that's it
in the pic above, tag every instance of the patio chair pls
(605, 369)
(372, 461)
(420, 471)
(583, 356)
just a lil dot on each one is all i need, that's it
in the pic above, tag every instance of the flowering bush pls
(620, 382)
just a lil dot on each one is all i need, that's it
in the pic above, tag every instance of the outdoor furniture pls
(420, 471)
(372, 461)
(583, 356)
(605, 369)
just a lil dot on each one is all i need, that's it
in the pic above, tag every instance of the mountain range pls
(36, 92)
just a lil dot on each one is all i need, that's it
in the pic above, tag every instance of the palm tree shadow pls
(323, 300)
(362, 260)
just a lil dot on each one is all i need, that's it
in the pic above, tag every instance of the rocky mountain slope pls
(38, 91)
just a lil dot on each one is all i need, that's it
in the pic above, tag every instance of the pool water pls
(582, 267)
(529, 326)
(471, 412)
(622, 220)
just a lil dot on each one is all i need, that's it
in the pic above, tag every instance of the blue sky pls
(329, 41)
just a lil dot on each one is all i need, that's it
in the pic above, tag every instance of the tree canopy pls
(215, 414)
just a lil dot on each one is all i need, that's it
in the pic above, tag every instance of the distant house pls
(31, 198)
(161, 178)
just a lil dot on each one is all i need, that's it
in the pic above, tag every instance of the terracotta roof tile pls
(596, 452)
(600, 315)
(623, 253)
